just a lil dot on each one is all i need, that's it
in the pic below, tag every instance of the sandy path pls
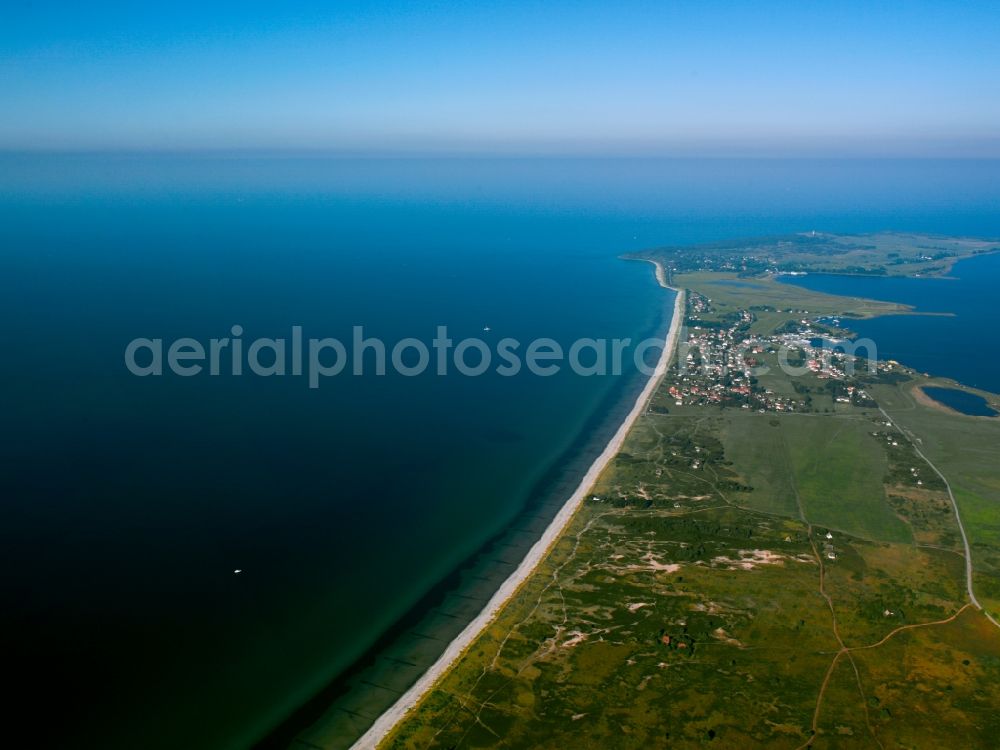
(388, 720)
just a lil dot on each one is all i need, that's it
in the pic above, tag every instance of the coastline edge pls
(391, 718)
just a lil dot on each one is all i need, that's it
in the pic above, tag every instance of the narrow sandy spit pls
(388, 720)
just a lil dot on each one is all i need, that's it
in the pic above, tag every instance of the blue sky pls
(906, 78)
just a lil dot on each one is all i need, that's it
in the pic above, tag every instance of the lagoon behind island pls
(960, 344)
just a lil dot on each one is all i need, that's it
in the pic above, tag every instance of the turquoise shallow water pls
(128, 502)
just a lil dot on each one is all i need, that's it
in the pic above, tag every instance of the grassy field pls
(840, 471)
(731, 292)
(580, 659)
(832, 466)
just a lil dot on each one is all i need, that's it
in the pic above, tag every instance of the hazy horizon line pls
(334, 152)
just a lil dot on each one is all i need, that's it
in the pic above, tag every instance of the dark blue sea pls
(129, 502)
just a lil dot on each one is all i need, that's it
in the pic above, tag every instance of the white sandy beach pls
(388, 720)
